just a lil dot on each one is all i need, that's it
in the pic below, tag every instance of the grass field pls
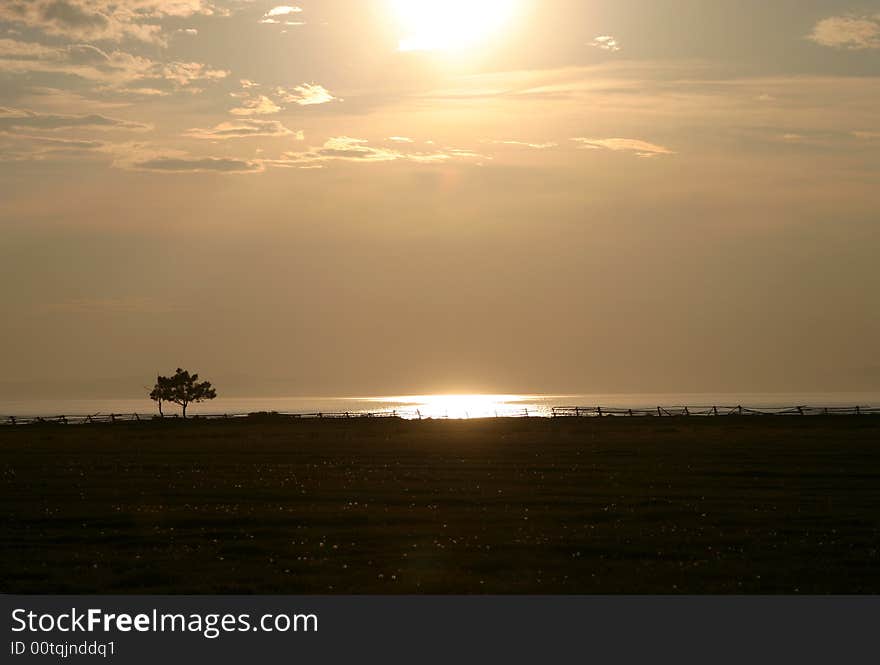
(617, 505)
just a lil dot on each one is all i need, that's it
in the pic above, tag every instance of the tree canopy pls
(183, 389)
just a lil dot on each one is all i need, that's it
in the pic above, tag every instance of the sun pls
(450, 25)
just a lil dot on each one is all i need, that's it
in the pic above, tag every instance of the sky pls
(399, 196)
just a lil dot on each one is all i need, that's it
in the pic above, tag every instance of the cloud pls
(306, 94)
(11, 118)
(352, 149)
(260, 105)
(348, 149)
(25, 51)
(81, 60)
(141, 92)
(52, 142)
(848, 32)
(606, 43)
(77, 19)
(185, 73)
(282, 14)
(110, 68)
(525, 144)
(244, 129)
(20, 147)
(102, 20)
(641, 148)
(177, 164)
(401, 139)
(867, 135)
(140, 156)
(283, 10)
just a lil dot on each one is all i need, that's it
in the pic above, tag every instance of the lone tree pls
(160, 392)
(183, 388)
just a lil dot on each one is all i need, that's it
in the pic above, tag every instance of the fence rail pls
(554, 412)
(109, 418)
(668, 411)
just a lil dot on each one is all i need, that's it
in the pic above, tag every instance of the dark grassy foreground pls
(635, 505)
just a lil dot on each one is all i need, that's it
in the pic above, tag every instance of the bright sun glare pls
(448, 25)
(457, 406)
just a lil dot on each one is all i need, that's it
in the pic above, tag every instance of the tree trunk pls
(184, 409)
(161, 414)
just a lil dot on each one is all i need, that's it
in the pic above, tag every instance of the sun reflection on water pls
(463, 406)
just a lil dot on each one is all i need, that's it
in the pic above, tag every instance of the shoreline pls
(555, 412)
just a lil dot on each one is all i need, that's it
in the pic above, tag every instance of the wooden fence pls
(109, 418)
(554, 412)
(668, 411)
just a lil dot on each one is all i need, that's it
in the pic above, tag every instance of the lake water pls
(439, 406)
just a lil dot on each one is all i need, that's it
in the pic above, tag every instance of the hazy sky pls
(386, 196)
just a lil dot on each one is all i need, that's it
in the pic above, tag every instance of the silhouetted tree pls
(183, 388)
(160, 392)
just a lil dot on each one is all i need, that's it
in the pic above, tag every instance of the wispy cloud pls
(524, 144)
(101, 20)
(259, 105)
(307, 94)
(81, 60)
(12, 118)
(848, 32)
(239, 129)
(111, 69)
(177, 164)
(637, 146)
(55, 142)
(605, 43)
(29, 147)
(185, 73)
(282, 14)
(348, 149)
